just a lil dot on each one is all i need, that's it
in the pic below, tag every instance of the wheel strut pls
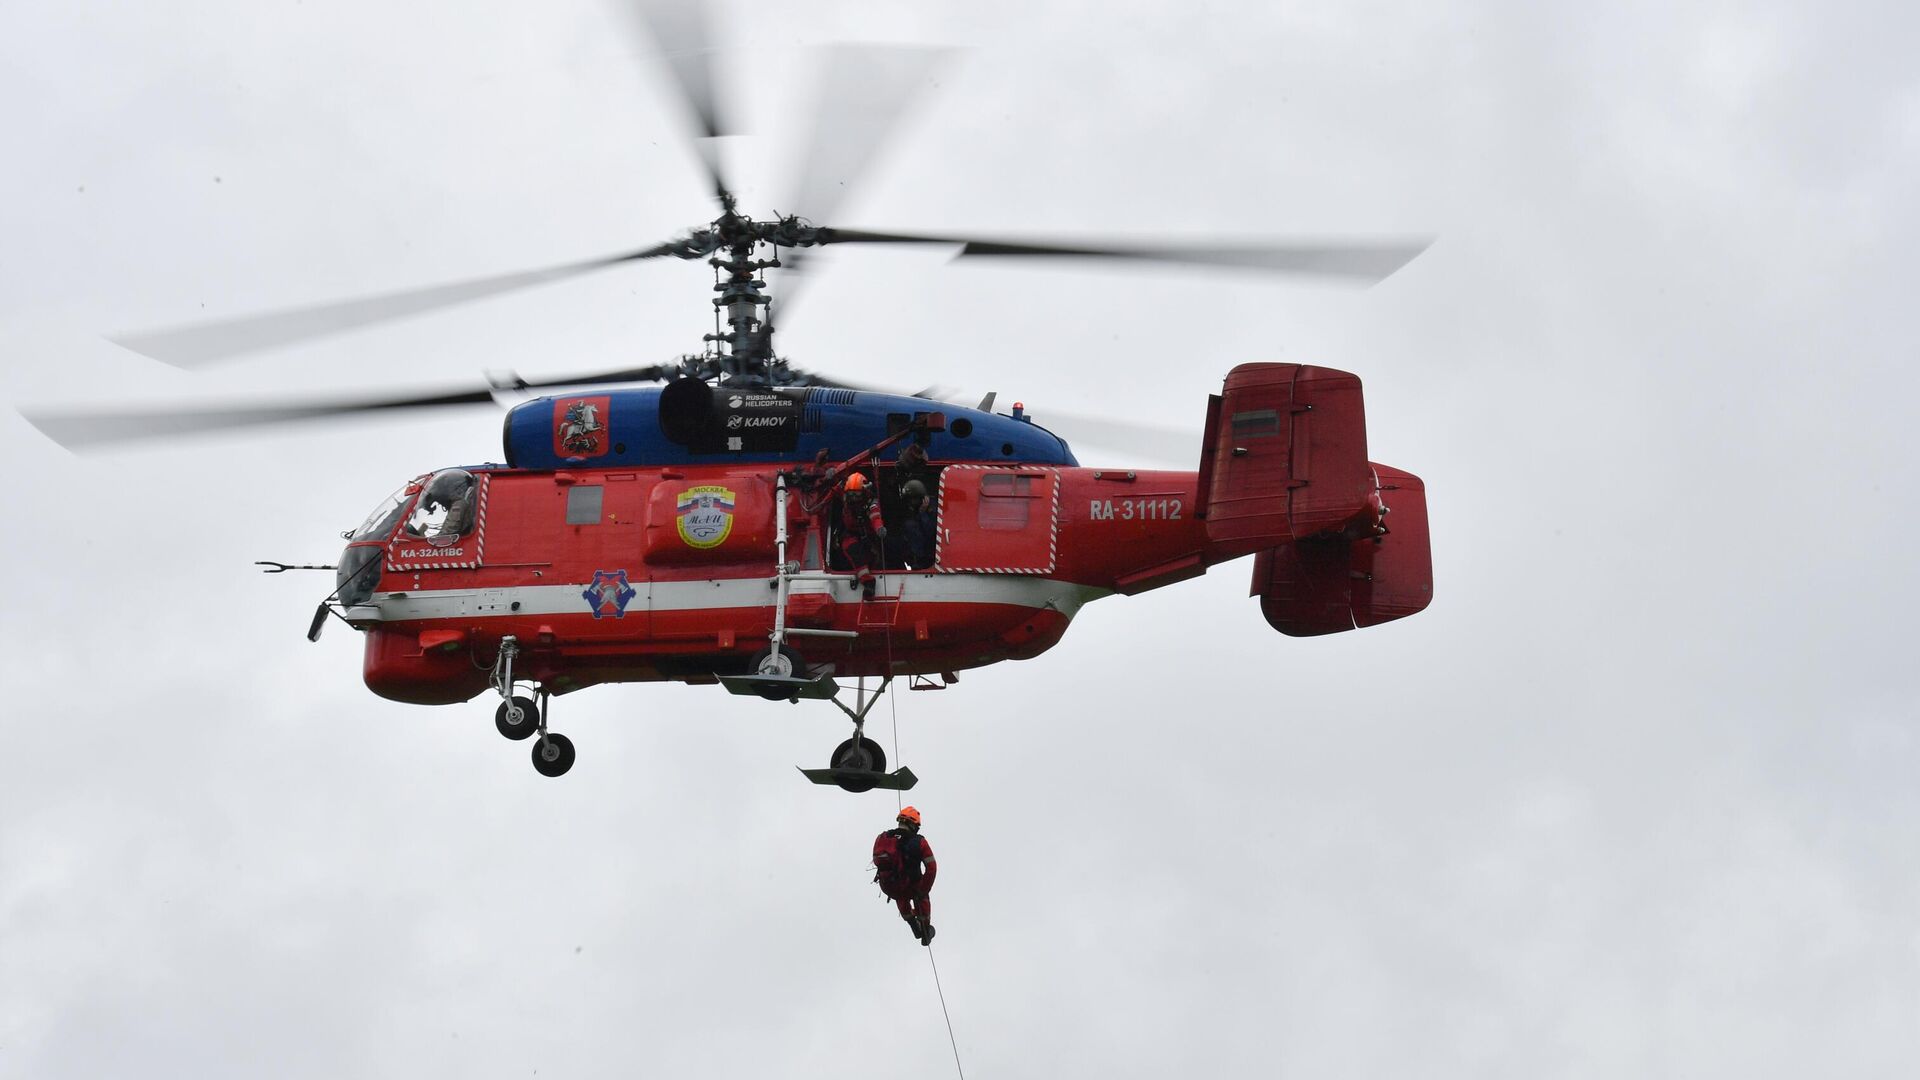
(552, 752)
(863, 704)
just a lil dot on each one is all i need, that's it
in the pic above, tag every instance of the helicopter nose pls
(357, 574)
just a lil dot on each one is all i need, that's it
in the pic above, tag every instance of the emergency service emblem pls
(705, 515)
(609, 594)
(580, 426)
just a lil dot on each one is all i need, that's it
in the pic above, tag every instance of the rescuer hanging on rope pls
(903, 865)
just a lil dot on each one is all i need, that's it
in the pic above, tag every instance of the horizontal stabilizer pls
(1327, 584)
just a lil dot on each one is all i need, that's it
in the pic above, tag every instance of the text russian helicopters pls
(696, 531)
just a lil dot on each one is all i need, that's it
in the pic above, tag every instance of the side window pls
(445, 510)
(1006, 501)
(379, 524)
(1255, 424)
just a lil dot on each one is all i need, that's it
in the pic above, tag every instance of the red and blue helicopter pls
(693, 530)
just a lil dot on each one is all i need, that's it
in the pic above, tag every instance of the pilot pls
(862, 530)
(903, 866)
(918, 530)
(452, 489)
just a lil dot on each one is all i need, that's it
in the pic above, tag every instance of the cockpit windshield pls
(379, 524)
(445, 511)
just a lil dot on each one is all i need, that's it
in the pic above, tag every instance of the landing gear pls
(520, 717)
(858, 755)
(859, 764)
(777, 663)
(782, 663)
(553, 754)
(517, 718)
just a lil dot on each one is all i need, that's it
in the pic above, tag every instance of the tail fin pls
(1285, 458)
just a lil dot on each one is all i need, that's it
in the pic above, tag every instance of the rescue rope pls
(943, 1013)
(893, 712)
(899, 801)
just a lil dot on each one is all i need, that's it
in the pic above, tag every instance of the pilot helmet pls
(446, 488)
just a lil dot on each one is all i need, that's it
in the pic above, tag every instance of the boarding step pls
(880, 613)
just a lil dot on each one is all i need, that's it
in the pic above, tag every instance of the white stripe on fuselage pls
(519, 600)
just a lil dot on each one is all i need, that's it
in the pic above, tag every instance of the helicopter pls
(698, 529)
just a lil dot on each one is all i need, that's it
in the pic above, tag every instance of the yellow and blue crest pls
(705, 515)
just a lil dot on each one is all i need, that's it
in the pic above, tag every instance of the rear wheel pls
(862, 754)
(553, 755)
(517, 718)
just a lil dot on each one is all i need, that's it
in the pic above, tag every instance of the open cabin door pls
(998, 519)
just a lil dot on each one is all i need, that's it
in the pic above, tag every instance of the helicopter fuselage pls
(608, 564)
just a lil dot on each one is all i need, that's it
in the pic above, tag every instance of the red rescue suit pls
(909, 886)
(860, 532)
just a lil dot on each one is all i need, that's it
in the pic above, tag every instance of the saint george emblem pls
(705, 515)
(609, 594)
(580, 426)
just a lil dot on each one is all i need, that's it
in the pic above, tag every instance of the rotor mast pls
(742, 354)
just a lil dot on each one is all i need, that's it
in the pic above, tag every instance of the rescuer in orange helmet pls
(903, 865)
(862, 529)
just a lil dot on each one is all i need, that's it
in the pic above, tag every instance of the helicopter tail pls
(1326, 584)
(1284, 458)
(1285, 476)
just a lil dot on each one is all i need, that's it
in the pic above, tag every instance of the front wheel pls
(517, 718)
(553, 755)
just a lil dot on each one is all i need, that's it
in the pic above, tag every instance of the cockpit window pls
(445, 510)
(379, 524)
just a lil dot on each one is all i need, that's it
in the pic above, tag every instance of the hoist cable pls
(899, 801)
(893, 711)
(944, 1015)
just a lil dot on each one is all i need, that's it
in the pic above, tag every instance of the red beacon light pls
(1020, 412)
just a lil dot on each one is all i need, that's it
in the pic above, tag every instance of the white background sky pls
(1634, 797)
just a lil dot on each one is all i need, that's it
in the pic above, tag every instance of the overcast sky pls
(1634, 797)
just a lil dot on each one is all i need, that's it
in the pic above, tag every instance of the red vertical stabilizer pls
(1287, 458)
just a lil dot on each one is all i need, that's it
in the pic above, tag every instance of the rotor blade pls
(680, 31)
(804, 377)
(205, 343)
(1126, 439)
(653, 373)
(79, 431)
(1370, 262)
(865, 92)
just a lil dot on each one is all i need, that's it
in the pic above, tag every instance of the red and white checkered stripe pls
(479, 541)
(1053, 523)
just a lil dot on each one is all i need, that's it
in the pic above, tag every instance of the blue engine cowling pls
(688, 422)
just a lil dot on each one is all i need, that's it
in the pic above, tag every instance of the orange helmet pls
(856, 482)
(910, 814)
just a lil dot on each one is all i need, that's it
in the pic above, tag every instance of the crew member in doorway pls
(862, 530)
(903, 865)
(917, 531)
(911, 465)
